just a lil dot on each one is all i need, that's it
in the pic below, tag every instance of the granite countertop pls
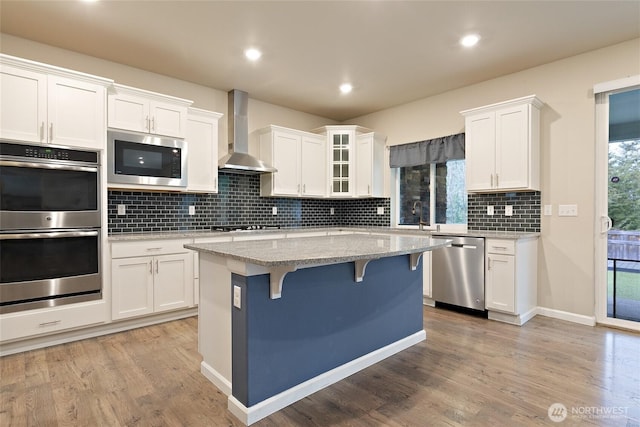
(322, 249)
(490, 234)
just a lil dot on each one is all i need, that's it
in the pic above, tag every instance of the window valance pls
(437, 150)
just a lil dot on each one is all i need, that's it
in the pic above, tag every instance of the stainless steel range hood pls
(239, 160)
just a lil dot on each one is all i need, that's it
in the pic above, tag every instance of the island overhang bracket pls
(360, 267)
(276, 277)
(414, 260)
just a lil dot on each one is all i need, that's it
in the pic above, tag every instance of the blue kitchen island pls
(282, 318)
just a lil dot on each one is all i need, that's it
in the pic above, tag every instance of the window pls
(439, 187)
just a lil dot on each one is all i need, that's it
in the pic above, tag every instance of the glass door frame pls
(602, 222)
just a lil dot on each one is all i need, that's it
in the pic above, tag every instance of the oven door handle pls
(48, 166)
(49, 235)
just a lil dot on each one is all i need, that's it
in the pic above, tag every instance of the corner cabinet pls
(50, 105)
(299, 157)
(502, 144)
(511, 279)
(147, 112)
(202, 150)
(356, 161)
(150, 277)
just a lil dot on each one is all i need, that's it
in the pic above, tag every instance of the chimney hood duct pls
(239, 160)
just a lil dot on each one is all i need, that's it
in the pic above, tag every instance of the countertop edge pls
(317, 260)
(488, 234)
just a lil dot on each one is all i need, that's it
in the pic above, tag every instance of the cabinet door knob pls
(150, 267)
(489, 263)
(153, 124)
(491, 180)
(146, 125)
(51, 132)
(42, 131)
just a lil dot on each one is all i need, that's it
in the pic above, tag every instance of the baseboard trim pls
(42, 341)
(216, 378)
(267, 407)
(568, 316)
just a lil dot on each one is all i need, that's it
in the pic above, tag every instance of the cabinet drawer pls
(46, 321)
(506, 247)
(148, 248)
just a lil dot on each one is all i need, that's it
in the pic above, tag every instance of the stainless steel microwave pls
(135, 158)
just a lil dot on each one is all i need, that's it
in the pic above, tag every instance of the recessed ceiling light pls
(470, 40)
(346, 88)
(252, 54)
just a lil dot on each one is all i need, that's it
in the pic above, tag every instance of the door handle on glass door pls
(607, 223)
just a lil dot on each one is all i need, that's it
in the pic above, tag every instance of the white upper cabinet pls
(202, 150)
(313, 161)
(370, 165)
(45, 104)
(502, 146)
(300, 159)
(333, 161)
(147, 112)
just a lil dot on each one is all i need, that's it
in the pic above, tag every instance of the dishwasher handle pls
(463, 246)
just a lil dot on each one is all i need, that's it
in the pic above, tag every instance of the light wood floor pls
(470, 371)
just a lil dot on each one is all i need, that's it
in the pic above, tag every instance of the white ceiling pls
(393, 52)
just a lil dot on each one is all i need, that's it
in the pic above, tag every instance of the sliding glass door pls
(617, 231)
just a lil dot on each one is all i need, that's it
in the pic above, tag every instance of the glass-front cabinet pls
(341, 163)
(341, 143)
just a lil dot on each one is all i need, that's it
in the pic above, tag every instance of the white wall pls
(566, 258)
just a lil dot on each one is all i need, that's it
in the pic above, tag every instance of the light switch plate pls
(122, 209)
(380, 210)
(237, 293)
(508, 210)
(548, 210)
(192, 210)
(332, 211)
(274, 210)
(490, 210)
(567, 210)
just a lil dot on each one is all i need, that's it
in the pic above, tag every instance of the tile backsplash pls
(237, 203)
(525, 205)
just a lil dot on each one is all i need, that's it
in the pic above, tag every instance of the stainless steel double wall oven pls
(50, 225)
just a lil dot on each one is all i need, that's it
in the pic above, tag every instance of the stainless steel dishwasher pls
(457, 272)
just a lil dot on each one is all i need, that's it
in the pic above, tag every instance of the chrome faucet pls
(421, 222)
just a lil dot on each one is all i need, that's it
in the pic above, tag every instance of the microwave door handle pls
(52, 235)
(48, 166)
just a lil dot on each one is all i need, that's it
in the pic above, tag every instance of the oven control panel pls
(48, 153)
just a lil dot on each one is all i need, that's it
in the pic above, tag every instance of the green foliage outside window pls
(624, 185)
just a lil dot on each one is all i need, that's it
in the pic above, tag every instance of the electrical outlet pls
(274, 210)
(192, 210)
(548, 210)
(567, 210)
(508, 210)
(490, 210)
(380, 210)
(332, 211)
(122, 209)
(237, 293)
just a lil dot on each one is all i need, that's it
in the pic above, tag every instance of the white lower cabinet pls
(49, 320)
(150, 277)
(511, 279)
